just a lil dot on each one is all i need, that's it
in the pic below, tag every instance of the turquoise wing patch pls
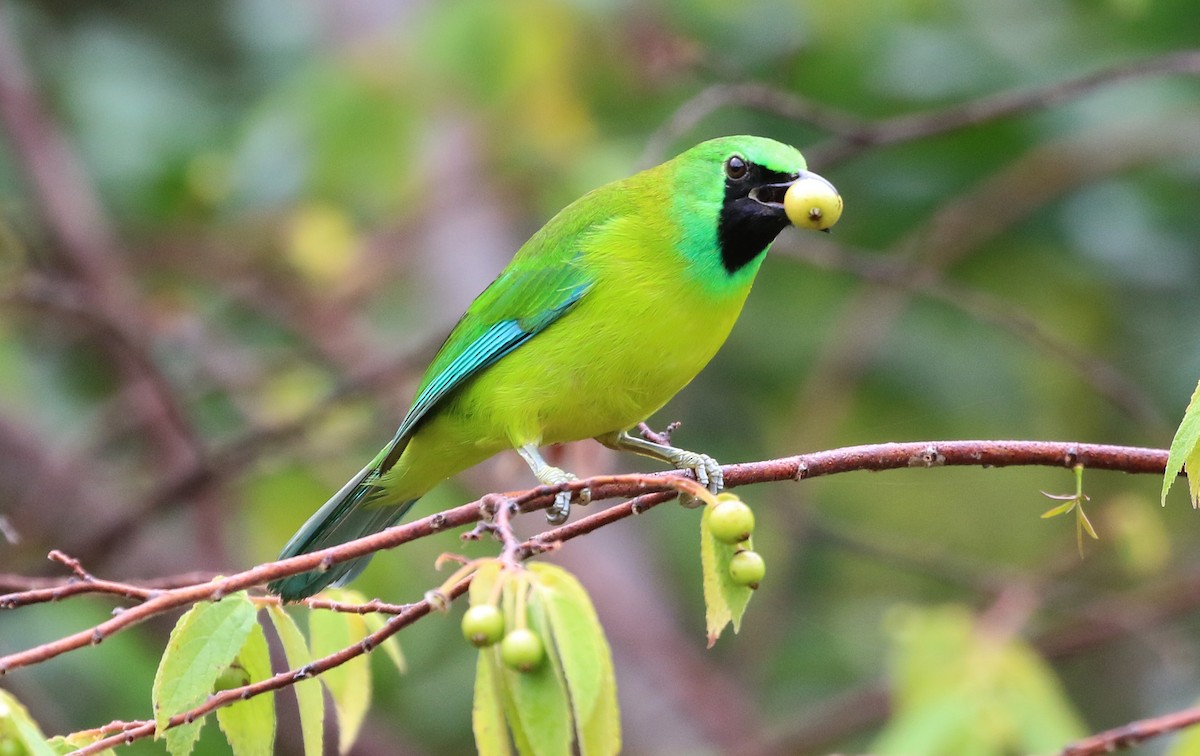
(496, 340)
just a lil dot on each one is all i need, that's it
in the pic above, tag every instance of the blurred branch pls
(231, 459)
(852, 142)
(1104, 378)
(964, 225)
(1133, 733)
(748, 95)
(88, 249)
(853, 135)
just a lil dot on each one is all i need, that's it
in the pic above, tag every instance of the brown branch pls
(89, 251)
(649, 490)
(850, 143)
(853, 135)
(1129, 735)
(282, 680)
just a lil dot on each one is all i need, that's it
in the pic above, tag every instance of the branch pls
(138, 730)
(1127, 736)
(649, 490)
(853, 135)
(848, 144)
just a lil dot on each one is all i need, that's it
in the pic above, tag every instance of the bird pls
(601, 317)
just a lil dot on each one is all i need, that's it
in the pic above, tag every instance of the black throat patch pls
(745, 226)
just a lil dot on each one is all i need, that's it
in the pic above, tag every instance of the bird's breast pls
(638, 337)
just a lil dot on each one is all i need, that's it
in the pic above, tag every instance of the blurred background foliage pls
(293, 201)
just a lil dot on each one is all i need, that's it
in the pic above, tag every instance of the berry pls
(483, 625)
(747, 568)
(731, 521)
(812, 202)
(522, 650)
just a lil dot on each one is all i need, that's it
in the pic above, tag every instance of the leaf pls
(1186, 743)
(204, 641)
(1185, 452)
(19, 733)
(487, 710)
(390, 645)
(349, 683)
(959, 689)
(724, 600)
(539, 698)
(584, 657)
(64, 744)
(308, 692)
(249, 725)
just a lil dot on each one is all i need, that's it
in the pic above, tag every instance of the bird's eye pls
(736, 168)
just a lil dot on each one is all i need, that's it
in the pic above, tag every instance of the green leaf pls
(539, 706)
(308, 692)
(64, 744)
(249, 725)
(350, 683)
(391, 645)
(724, 600)
(584, 657)
(959, 689)
(1185, 451)
(19, 733)
(205, 641)
(487, 710)
(483, 583)
(1186, 743)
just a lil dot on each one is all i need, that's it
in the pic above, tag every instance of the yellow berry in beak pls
(812, 202)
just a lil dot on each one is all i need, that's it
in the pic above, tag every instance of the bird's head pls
(757, 187)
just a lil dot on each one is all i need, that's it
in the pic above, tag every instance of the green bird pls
(601, 317)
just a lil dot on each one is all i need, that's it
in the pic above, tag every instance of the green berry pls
(731, 521)
(233, 676)
(522, 650)
(483, 625)
(747, 568)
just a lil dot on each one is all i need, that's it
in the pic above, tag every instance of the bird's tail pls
(350, 513)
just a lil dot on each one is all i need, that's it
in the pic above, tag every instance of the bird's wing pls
(517, 306)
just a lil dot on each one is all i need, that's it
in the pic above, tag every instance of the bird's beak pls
(809, 200)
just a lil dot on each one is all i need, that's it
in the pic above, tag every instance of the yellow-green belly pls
(610, 363)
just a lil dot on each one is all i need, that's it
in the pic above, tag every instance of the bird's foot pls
(706, 469)
(560, 510)
(550, 475)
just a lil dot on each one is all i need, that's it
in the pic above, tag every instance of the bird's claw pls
(707, 471)
(560, 510)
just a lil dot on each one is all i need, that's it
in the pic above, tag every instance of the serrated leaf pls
(204, 641)
(249, 725)
(350, 683)
(19, 732)
(374, 621)
(724, 600)
(390, 645)
(308, 692)
(584, 658)
(1185, 451)
(539, 697)
(487, 710)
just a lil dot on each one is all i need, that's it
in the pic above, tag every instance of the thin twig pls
(1129, 735)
